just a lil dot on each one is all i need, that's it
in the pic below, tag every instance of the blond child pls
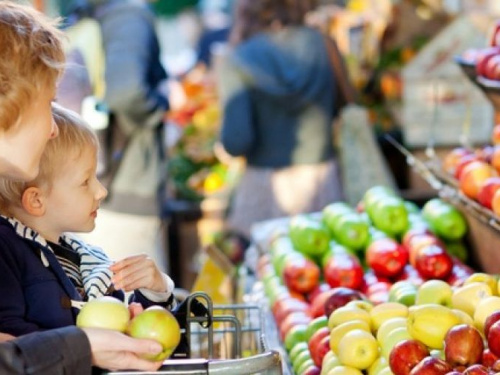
(45, 273)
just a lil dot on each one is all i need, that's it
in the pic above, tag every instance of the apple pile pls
(155, 323)
(448, 329)
(477, 172)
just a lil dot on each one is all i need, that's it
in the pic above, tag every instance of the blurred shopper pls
(278, 95)
(31, 60)
(135, 93)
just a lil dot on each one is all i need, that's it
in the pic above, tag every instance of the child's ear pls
(33, 201)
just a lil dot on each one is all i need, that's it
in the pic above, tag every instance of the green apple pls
(330, 360)
(373, 194)
(305, 365)
(358, 349)
(351, 230)
(434, 291)
(314, 325)
(309, 236)
(458, 249)
(104, 312)
(297, 349)
(333, 212)
(156, 323)
(389, 215)
(403, 291)
(388, 326)
(444, 219)
(295, 335)
(300, 359)
(392, 338)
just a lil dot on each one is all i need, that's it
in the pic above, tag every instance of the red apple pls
(339, 297)
(495, 203)
(463, 162)
(490, 320)
(482, 59)
(289, 306)
(463, 346)
(488, 358)
(494, 338)
(410, 273)
(495, 368)
(312, 370)
(343, 270)
(418, 241)
(320, 288)
(452, 159)
(433, 262)
(317, 307)
(405, 355)
(301, 275)
(414, 231)
(487, 190)
(477, 369)
(490, 67)
(473, 177)
(318, 346)
(386, 257)
(431, 366)
(485, 153)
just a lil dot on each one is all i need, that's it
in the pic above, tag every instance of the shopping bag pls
(361, 160)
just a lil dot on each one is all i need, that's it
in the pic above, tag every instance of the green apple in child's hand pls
(104, 312)
(156, 323)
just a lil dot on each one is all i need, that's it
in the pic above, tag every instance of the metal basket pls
(228, 340)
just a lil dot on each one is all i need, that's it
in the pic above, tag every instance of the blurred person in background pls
(278, 96)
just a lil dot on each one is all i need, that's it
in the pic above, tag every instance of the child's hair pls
(31, 58)
(75, 136)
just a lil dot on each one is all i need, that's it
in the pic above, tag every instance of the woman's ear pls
(33, 201)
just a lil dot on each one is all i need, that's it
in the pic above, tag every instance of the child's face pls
(25, 142)
(72, 203)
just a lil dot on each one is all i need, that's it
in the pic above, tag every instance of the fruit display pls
(351, 294)
(194, 170)
(155, 323)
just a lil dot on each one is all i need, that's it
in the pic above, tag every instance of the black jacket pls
(56, 352)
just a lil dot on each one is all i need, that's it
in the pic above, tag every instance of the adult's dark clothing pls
(56, 352)
(278, 97)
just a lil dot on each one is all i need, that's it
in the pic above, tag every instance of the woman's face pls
(21, 146)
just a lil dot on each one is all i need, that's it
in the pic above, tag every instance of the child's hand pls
(138, 271)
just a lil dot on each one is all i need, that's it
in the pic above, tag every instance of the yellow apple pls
(156, 323)
(484, 309)
(344, 370)
(104, 312)
(346, 313)
(430, 323)
(486, 278)
(388, 326)
(358, 349)
(464, 317)
(385, 311)
(379, 364)
(330, 360)
(467, 297)
(393, 337)
(339, 331)
(434, 291)
(365, 305)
